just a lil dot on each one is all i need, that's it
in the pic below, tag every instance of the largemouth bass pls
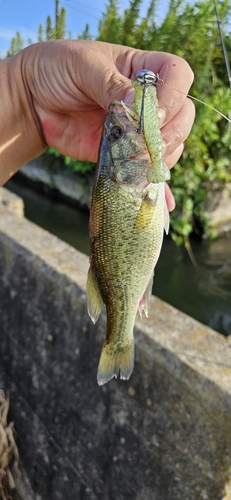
(127, 219)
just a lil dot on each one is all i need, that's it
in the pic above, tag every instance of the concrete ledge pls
(74, 188)
(12, 201)
(218, 209)
(164, 434)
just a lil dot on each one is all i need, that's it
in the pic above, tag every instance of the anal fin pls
(145, 300)
(94, 299)
(166, 218)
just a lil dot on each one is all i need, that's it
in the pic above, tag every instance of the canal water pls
(203, 292)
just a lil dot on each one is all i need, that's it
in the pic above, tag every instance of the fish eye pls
(115, 133)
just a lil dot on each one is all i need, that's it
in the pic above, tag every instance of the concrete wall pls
(163, 435)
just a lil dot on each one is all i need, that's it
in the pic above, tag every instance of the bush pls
(54, 161)
(204, 166)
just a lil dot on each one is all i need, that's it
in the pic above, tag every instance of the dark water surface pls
(203, 292)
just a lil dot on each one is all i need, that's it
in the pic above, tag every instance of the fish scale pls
(127, 220)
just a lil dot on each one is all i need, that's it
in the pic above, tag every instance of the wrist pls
(21, 137)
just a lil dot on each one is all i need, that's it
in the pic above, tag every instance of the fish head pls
(124, 156)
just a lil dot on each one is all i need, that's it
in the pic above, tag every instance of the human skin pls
(57, 94)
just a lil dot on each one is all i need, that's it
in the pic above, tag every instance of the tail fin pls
(111, 363)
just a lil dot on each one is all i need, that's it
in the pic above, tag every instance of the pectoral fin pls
(94, 299)
(145, 215)
(145, 300)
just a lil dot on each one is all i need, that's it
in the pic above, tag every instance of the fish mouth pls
(143, 155)
(124, 110)
(120, 107)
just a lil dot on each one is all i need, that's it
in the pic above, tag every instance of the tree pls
(127, 29)
(130, 22)
(60, 31)
(46, 32)
(41, 34)
(110, 26)
(85, 35)
(50, 32)
(17, 44)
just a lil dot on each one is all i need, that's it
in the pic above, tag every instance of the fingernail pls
(162, 113)
(129, 98)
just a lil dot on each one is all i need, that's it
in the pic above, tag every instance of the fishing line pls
(223, 44)
(198, 100)
(141, 120)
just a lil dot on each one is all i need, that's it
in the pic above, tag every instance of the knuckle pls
(116, 86)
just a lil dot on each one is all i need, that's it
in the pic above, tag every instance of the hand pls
(70, 85)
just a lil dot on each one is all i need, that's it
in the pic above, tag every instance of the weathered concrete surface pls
(163, 435)
(12, 201)
(218, 208)
(74, 188)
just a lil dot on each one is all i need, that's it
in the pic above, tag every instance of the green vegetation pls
(52, 32)
(55, 161)
(190, 31)
(17, 44)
